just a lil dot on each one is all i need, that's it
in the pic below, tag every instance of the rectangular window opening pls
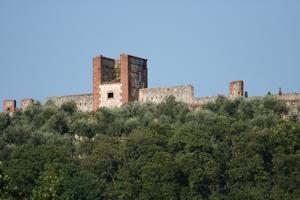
(110, 95)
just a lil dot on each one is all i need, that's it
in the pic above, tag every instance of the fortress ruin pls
(119, 81)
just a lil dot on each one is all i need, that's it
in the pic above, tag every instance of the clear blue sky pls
(46, 47)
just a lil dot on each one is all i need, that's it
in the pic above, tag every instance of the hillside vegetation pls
(231, 149)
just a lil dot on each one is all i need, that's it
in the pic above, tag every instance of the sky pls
(46, 47)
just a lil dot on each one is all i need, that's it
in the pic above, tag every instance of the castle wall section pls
(200, 101)
(157, 95)
(84, 102)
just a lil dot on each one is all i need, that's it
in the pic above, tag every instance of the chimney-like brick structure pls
(25, 103)
(124, 75)
(96, 81)
(236, 88)
(9, 106)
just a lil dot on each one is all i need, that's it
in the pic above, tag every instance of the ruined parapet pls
(84, 102)
(157, 95)
(236, 89)
(26, 102)
(9, 106)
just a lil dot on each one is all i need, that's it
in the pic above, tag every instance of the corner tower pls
(116, 82)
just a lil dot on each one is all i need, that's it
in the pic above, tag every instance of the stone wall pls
(110, 95)
(199, 101)
(84, 102)
(290, 96)
(181, 93)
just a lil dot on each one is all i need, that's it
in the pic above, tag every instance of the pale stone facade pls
(110, 95)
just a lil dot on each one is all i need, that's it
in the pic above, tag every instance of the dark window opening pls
(8, 109)
(110, 95)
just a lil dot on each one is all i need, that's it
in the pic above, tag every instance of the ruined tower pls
(26, 102)
(236, 89)
(116, 82)
(9, 106)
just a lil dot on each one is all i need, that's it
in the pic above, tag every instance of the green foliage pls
(4, 121)
(229, 149)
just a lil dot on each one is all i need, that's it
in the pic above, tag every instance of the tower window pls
(110, 95)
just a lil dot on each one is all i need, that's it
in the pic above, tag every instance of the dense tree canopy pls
(228, 150)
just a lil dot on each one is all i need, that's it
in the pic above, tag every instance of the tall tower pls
(9, 106)
(116, 82)
(236, 89)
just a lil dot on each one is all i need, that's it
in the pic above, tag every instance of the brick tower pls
(9, 106)
(116, 82)
(236, 89)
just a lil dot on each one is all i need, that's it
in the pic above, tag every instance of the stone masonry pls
(181, 93)
(84, 102)
(26, 102)
(119, 81)
(116, 82)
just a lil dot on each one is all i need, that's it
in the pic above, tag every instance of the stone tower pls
(9, 106)
(236, 89)
(116, 82)
(26, 102)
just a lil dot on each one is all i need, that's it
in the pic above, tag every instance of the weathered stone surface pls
(84, 102)
(116, 82)
(26, 102)
(113, 89)
(181, 93)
